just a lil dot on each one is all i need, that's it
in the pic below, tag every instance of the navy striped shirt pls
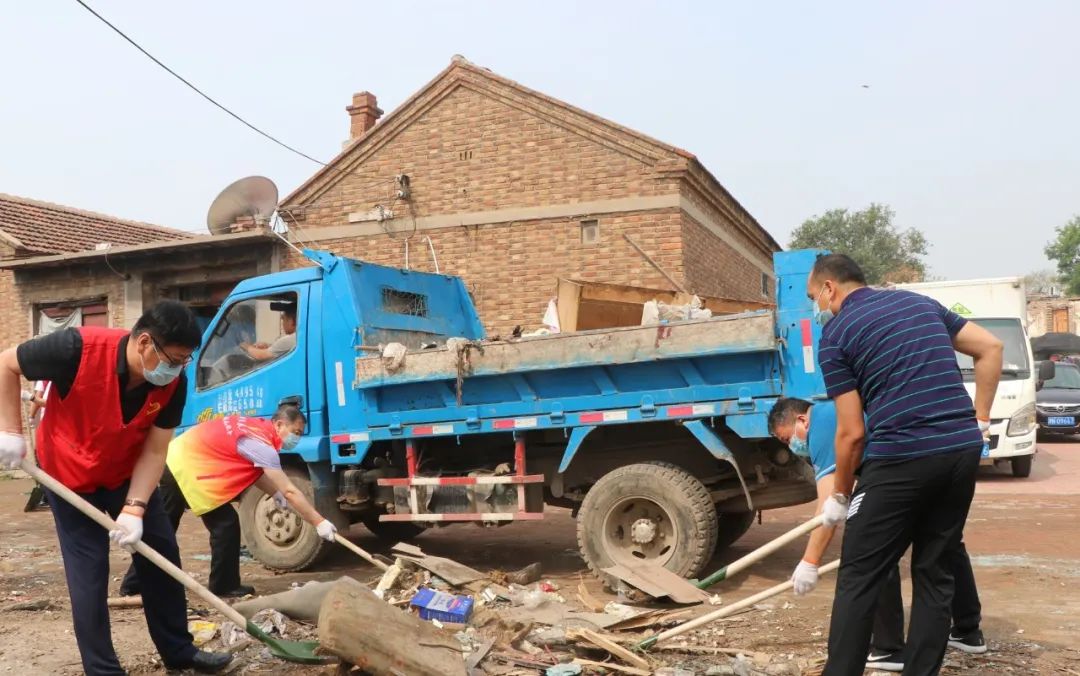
(895, 348)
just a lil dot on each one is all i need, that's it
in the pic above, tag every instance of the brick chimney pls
(364, 113)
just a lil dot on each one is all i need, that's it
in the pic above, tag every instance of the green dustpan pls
(293, 651)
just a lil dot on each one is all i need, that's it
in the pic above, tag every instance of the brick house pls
(482, 177)
(56, 259)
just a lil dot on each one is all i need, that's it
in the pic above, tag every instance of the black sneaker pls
(240, 592)
(884, 661)
(203, 662)
(972, 642)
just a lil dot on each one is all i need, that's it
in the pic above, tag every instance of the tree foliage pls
(1042, 281)
(886, 254)
(1065, 251)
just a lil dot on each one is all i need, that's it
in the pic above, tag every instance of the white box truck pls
(1000, 306)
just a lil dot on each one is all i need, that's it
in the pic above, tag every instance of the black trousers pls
(224, 526)
(922, 502)
(966, 608)
(85, 548)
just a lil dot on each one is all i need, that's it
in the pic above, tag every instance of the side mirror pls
(1047, 369)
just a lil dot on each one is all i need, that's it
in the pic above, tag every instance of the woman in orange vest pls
(210, 465)
(116, 397)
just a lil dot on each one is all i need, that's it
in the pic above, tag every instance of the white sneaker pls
(884, 661)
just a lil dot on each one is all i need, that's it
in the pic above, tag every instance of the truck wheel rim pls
(639, 529)
(280, 527)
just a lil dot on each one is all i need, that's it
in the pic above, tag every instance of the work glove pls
(326, 530)
(984, 428)
(12, 450)
(129, 530)
(26, 395)
(280, 501)
(804, 578)
(834, 512)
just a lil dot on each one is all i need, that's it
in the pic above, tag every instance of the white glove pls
(834, 512)
(805, 578)
(984, 428)
(26, 395)
(12, 450)
(326, 530)
(129, 531)
(280, 501)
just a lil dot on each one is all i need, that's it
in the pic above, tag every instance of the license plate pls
(986, 451)
(1061, 421)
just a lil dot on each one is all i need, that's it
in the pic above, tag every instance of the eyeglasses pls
(164, 356)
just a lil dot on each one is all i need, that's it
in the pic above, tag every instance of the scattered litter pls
(436, 605)
(202, 632)
(527, 575)
(42, 604)
(613, 648)
(570, 669)
(621, 610)
(453, 572)
(657, 581)
(612, 666)
(715, 600)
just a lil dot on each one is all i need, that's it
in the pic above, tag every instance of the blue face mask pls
(290, 441)
(822, 316)
(162, 374)
(799, 446)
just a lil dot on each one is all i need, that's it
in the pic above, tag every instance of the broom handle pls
(103, 520)
(761, 552)
(734, 607)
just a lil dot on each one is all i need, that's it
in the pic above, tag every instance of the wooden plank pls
(612, 666)
(732, 334)
(657, 581)
(615, 649)
(455, 573)
(567, 299)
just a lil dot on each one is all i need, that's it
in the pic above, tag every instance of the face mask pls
(822, 316)
(290, 441)
(162, 374)
(799, 446)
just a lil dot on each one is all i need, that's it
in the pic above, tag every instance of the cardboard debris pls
(649, 618)
(615, 650)
(453, 572)
(658, 582)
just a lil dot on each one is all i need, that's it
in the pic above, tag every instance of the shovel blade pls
(300, 652)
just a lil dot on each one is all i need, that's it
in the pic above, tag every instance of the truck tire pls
(647, 511)
(392, 531)
(1021, 466)
(280, 539)
(732, 526)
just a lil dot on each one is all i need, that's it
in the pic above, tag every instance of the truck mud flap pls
(719, 450)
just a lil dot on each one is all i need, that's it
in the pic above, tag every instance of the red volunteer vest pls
(84, 442)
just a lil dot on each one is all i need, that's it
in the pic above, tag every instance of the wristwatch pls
(134, 502)
(841, 498)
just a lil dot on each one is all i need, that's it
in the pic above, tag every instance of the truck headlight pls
(1022, 422)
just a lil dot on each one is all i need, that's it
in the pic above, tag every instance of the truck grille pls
(1058, 409)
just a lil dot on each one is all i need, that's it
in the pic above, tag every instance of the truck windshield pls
(1011, 333)
(1066, 377)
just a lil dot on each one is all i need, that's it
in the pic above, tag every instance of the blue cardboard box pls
(437, 605)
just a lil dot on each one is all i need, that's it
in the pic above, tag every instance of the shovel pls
(727, 610)
(759, 553)
(302, 652)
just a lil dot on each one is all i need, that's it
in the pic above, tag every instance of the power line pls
(196, 89)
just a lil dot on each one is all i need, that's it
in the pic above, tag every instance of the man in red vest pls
(116, 397)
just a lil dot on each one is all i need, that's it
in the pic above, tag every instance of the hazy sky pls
(970, 127)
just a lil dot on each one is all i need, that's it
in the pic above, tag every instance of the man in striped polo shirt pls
(891, 354)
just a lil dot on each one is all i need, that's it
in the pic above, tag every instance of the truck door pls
(253, 357)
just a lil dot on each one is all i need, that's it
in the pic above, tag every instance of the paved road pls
(1056, 471)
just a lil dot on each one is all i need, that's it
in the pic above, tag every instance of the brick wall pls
(713, 268)
(511, 269)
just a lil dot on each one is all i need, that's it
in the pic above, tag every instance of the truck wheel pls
(1021, 466)
(733, 526)
(652, 511)
(280, 539)
(392, 531)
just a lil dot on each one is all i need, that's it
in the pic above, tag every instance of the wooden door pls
(1061, 320)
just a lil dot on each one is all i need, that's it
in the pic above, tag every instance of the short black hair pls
(170, 322)
(785, 410)
(289, 413)
(839, 267)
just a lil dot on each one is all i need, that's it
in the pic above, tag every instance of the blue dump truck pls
(654, 436)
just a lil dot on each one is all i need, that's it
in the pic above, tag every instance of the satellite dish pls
(254, 196)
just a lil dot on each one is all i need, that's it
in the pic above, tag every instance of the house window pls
(590, 232)
(764, 285)
(58, 316)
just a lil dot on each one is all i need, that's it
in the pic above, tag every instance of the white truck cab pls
(1000, 306)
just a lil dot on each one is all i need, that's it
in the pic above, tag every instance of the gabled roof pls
(463, 73)
(32, 227)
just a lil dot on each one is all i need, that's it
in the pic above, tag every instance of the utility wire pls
(196, 89)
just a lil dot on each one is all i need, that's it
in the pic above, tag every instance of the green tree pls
(1041, 281)
(886, 254)
(1065, 251)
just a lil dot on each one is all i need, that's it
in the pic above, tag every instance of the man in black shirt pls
(115, 400)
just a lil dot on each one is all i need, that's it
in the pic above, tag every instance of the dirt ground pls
(1021, 536)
